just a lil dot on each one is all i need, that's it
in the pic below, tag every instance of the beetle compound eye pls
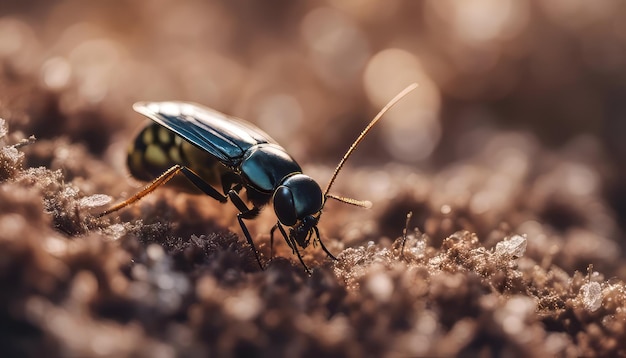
(284, 206)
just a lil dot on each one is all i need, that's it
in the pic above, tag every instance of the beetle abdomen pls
(156, 149)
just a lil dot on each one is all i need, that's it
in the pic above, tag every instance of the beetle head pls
(303, 230)
(298, 202)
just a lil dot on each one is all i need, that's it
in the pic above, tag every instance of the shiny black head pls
(298, 203)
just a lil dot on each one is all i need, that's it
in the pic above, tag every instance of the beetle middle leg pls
(245, 213)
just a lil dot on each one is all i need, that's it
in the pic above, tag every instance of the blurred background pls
(534, 91)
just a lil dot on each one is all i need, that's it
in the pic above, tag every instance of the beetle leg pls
(231, 181)
(245, 213)
(201, 184)
(164, 178)
(246, 233)
(242, 207)
(293, 250)
(292, 244)
(317, 233)
(272, 240)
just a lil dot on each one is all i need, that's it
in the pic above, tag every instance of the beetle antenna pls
(358, 140)
(366, 204)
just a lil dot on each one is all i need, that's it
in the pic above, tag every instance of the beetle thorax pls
(265, 167)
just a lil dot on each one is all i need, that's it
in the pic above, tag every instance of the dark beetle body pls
(261, 169)
(230, 154)
(155, 149)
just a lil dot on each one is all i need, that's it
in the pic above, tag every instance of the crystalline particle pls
(515, 246)
(94, 201)
(592, 295)
(3, 128)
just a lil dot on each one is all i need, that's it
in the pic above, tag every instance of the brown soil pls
(509, 155)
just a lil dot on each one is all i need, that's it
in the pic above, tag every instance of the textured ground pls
(510, 156)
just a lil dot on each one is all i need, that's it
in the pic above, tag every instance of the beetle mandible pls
(209, 148)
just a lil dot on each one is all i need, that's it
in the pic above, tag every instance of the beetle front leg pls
(292, 244)
(293, 249)
(272, 240)
(317, 233)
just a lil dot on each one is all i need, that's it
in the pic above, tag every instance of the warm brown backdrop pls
(517, 127)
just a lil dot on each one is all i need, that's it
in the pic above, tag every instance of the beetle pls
(210, 148)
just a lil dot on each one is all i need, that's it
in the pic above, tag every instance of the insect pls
(212, 149)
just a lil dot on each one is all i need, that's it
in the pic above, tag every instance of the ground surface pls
(509, 155)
